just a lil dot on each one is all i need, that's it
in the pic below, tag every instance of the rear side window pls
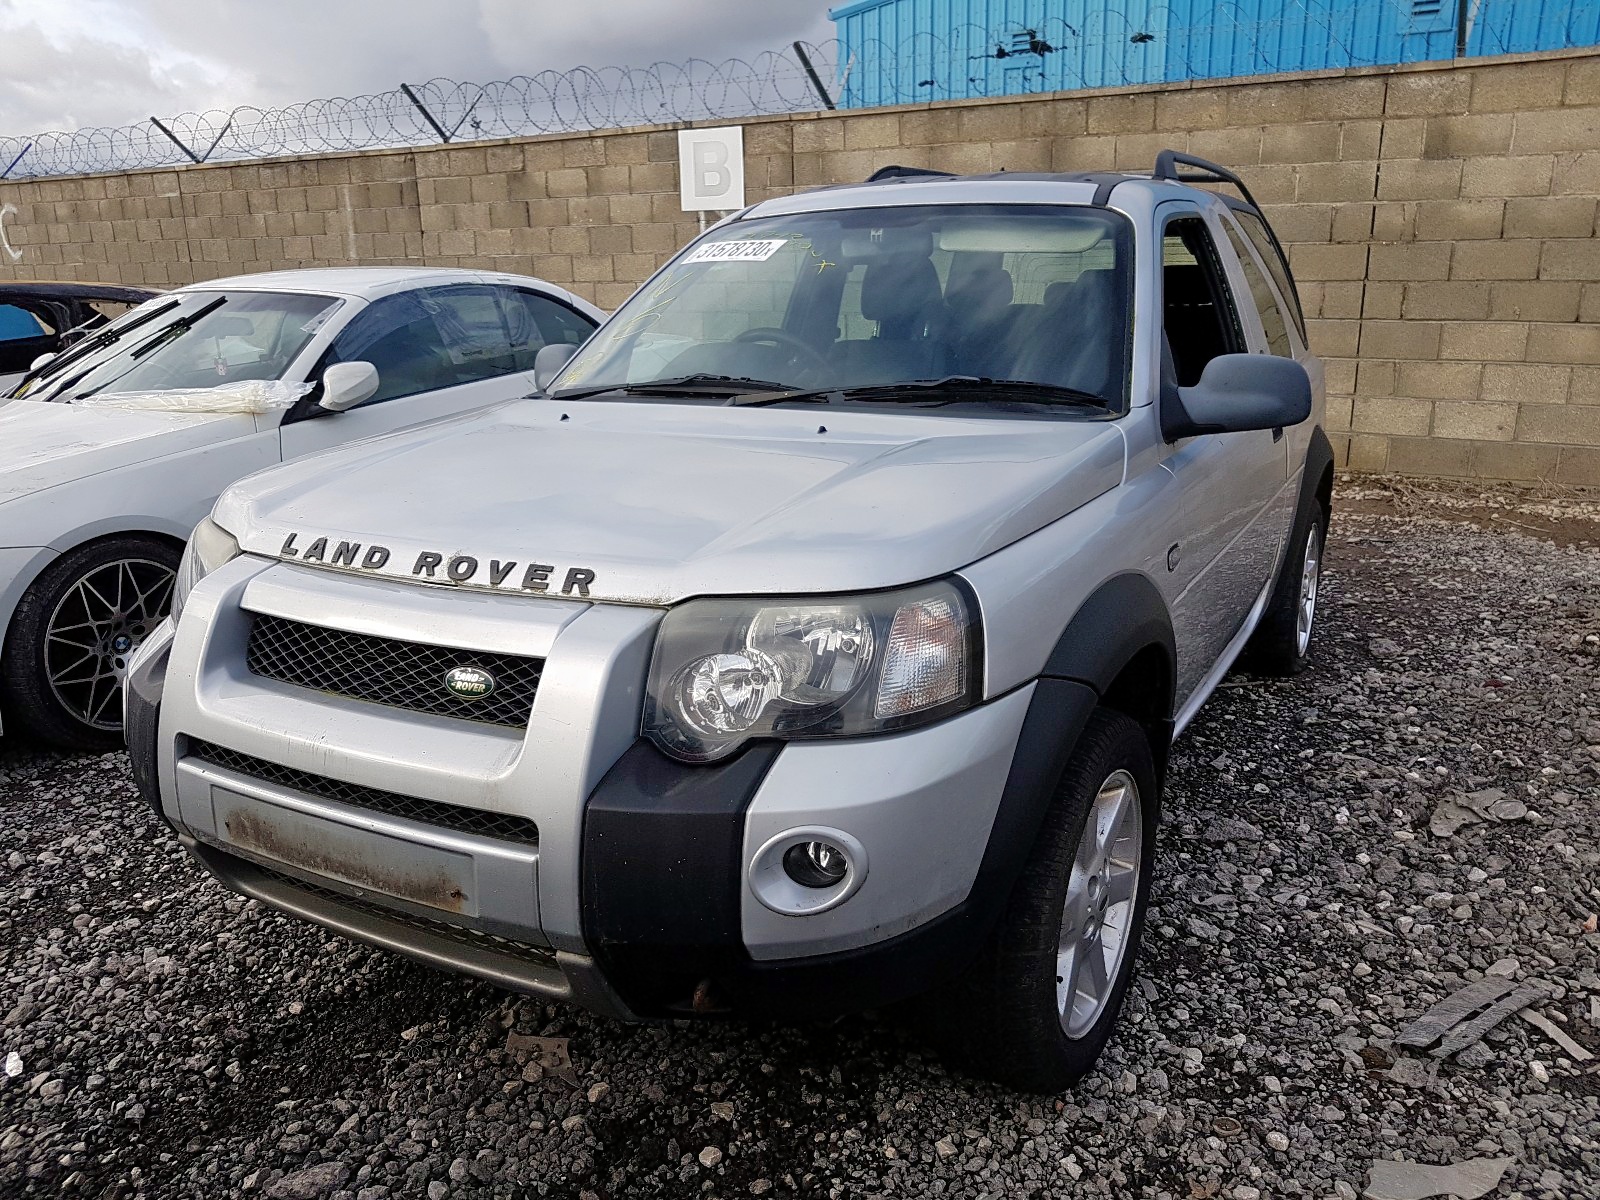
(1256, 229)
(536, 321)
(1197, 309)
(1266, 300)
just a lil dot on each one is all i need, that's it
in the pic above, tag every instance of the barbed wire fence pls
(1113, 48)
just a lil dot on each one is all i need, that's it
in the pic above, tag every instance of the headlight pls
(210, 546)
(727, 671)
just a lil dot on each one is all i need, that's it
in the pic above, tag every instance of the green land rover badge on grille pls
(470, 683)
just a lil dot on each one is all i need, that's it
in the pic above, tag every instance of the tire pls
(1281, 644)
(67, 649)
(1005, 1018)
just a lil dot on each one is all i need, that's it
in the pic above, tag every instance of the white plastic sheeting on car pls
(246, 396)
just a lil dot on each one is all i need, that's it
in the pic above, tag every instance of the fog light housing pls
(816, 864)
(805, 871)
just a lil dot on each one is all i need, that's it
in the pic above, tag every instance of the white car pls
(96, 500)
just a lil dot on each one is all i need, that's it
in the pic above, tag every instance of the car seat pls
(980, 308)
(903, 296)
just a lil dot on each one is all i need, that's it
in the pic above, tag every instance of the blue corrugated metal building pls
(904, 51)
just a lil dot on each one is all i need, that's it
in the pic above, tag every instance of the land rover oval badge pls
(469, 683)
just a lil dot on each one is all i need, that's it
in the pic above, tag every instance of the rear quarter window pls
(1255, 228)
(1266, 300)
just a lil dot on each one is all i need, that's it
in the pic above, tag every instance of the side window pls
(1197, 310)
(473, 330)
(536, 321)
(399, 337)
(1255, 228)
(1266, 299)
(18, 324)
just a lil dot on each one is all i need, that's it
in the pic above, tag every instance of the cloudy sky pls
(66, 64)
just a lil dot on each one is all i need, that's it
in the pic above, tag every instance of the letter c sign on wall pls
(8, 210)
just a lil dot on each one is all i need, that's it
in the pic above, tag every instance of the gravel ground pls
(171, 1040)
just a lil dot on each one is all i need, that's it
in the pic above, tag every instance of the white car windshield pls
(187, 340)
(881, 297)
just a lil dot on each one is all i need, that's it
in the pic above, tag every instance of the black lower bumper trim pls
(662, 874)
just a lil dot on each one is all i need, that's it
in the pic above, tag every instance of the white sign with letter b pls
(711, 168)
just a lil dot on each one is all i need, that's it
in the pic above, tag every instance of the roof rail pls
(1206, 171)
(897, 172)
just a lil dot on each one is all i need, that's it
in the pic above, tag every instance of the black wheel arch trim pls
(1318, 465)
(1124, 616)
(662, 877)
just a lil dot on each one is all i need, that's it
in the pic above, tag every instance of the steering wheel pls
(782, 337)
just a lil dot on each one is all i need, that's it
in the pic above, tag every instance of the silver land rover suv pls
(815, 641)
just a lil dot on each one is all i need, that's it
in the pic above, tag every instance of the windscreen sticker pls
(742, 251)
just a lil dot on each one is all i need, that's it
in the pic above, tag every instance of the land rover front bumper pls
(555, 853)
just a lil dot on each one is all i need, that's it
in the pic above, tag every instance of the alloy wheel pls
(1310, 582)
(1097, 920)
(94, 630)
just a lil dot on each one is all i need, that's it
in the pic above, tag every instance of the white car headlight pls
(210, 546)
(729, 671)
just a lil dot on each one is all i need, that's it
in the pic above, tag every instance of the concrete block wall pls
(1441, 220)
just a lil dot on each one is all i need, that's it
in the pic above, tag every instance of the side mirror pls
(345, 385)
(40, 361)
(548, 362)
(1238, 392)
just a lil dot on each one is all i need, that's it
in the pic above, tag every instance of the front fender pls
(1125, 615)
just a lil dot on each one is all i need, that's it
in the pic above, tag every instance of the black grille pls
(461, 935)
(430, 812)
(389, 671)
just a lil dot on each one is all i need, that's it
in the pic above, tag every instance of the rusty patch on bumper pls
(336, 859)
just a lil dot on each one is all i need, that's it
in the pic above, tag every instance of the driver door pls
(438, 352)
(1226, 487)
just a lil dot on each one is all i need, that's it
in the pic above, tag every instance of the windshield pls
(194, 340)
(869, 297)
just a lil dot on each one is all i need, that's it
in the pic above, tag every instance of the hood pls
(652, 503)
(43, 445)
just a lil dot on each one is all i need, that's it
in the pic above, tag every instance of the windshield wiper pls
(180, 326)
(677, 385)
(915, 391)
(161, 338)
(111, 333)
